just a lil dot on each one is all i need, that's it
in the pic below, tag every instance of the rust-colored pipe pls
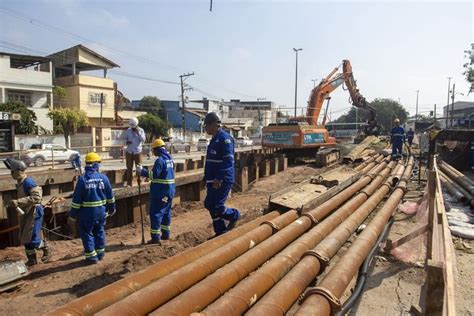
(461, 180)
(148, 298)
(101, 298)
(325, 298)
(237, 300)
(455, 189)
(365, 163)
(457, 172)
(204, 293)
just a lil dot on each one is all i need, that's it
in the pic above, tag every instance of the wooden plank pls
(435, 287)
(417, 232)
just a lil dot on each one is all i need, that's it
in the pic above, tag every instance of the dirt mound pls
(185, 207)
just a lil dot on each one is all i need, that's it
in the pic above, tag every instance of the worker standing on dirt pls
(31, 212)
(92, 201)
(219, 175)
(410, 136)
(162, 191)
(134, 138)
(397, 138)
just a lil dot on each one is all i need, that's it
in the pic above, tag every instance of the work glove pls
(139, 169)
(14, 203)
(111, 213)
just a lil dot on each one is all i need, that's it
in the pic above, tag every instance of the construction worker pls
(92, 201)
(31, 212)
(219, 175)
(162, 191)
(410, 136)
(397, 138)
(134, 138)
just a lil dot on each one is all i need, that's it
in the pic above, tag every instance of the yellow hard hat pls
(158, 143)
(397, 120)
(92, 157)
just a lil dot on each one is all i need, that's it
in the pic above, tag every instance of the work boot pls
(154, 242)
(233, 221)
(46, 252)
(31, 259)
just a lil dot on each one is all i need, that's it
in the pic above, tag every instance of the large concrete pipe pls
(205, 292)
(103, 297)
(237, 300)
(325, 298)
(449, 185)
(462, 180)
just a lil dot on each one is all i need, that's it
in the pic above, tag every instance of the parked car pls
(46, 152)
(177, 145)
(202, 144)
(243, 141)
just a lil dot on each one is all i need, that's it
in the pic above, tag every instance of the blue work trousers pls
(160, 218)
(36, 240)
(397, 149)
(214, 203)
(92, 232)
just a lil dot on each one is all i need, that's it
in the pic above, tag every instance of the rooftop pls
(25, 61)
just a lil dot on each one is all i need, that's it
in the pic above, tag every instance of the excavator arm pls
(322, 91)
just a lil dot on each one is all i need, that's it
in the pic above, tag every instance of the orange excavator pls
(304, 137)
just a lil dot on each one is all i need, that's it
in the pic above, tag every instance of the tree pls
(27, 123)
(153, 104)
(386, 110)
(469, 72)
(68, 120)
(153, 126)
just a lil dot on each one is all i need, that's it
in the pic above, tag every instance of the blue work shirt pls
(92, 195)
(410, 134)
(397, 135)
(220, 158)
(136, 138)
(162, 178)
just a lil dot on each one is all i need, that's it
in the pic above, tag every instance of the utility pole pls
(101, 107)
(416, 111)
(314, 82)
(296, 50)
(447, 102)
(452, 104)
(183, 112)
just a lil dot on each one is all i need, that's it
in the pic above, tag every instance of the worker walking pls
(162, 191)
(31, 212)
(134, 138)
(410, 136)
(397, 138)
(92, 202)
(219, 175)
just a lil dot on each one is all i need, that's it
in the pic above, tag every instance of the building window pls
(94, 98)
(22, 97)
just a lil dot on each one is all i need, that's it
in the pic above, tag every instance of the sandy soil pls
(66, 278)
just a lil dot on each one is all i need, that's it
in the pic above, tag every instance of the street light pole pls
(447, 102)
(314, 82)
(296, 50)
(416, 110)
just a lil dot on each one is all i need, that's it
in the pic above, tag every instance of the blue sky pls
(243, 49)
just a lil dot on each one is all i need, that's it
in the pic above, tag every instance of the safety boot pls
(31, 259)
(46, 252)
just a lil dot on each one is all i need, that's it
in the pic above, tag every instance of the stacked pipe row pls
(194, 279)
(460, 186)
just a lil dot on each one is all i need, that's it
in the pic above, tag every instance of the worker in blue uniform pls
(397, 138)
(219, 175)
(162, 191)
(92, 202)
(76, 163)
(410, 136)
(28, 204)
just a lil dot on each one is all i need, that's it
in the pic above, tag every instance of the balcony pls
(82, 80)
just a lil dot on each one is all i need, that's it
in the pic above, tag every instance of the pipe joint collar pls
(364, 192)
(334, 302)
(323, 260)
(313, 219)
(275, 227)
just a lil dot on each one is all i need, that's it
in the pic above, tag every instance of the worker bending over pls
(397, 138)
(29, 203)
(162, 191)
(92, 202)
(219, 175)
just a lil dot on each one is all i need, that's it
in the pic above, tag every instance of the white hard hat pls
(133, 122)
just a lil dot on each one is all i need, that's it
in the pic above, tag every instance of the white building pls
(28, 79)
(261, 112)
(456, 116)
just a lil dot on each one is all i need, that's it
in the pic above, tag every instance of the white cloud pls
(243, 53)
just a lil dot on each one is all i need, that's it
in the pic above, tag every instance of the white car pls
(202, 144)
(177, 145)
(243, 141)
(47, 153)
